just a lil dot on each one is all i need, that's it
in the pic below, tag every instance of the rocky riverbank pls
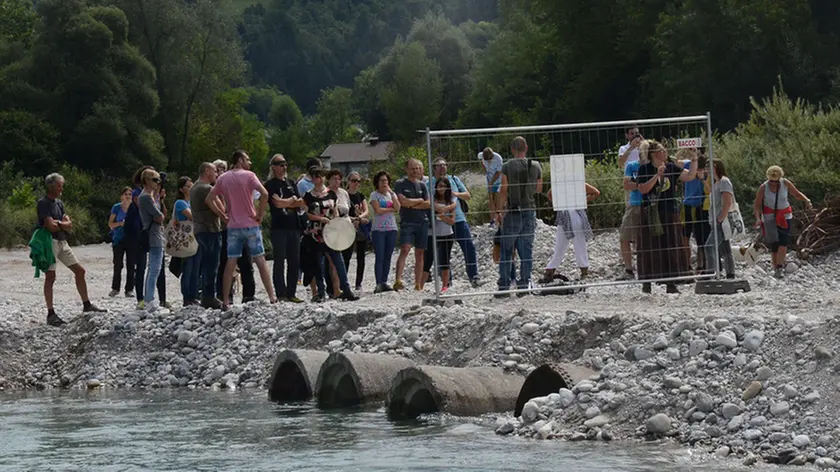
(753, 375)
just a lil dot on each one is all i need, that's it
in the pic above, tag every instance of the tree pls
(335, 118)
(17, 20)
(413, 99)
(194, 49)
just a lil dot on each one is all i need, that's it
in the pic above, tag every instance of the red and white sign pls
(689, 143)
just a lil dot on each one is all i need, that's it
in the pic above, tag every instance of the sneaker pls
(399, 285)
(444, 289)
(475, 282)
(646, 288)
(166, 305)
(54, 320)
(379, 289)
(358, 288)
(387, 288)
(141, 305)
(317, 299)
(211, 303)
(91, 308)
(113, 293)
(294, 300)
(779, 273)
(152, 306)
(348, 296)
(671, 288)
(129, 294)
(248, 299)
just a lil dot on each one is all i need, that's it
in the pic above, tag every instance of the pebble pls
(530, 411)
(658, 424)
(530, 328)
(764, 373)
(727, 339)
(780, 409)
(730, 410)
(753, 434)
(753, 340)
(597, 422)
(697, 346)
(722, 451)
(752, 391)
(704, 402)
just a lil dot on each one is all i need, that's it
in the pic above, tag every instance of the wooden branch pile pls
(820, 230)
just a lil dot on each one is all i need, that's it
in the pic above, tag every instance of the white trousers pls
(561, 244)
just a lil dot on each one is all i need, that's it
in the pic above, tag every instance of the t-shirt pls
(356, 199)
(282, 218)
(457, 186)
(180, 206)
(522, 175)
(48, 208)
(634, 154)
(236, 187)
(695, 190)
(343, 201)
(722, 186)
(118, 212)
(305, 185)
(441, 227)
(319, 206)
(632, 170)
(204, 220)
(133, 224)
(410, 189)
(387, 221)
(491, 167)
(665, 191)
(149, 210)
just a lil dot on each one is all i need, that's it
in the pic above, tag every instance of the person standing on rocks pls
(773, 211)
(285, 229)
(305, 184)
(463, 236)
(152, 214)
(383, 233)
(236, 188)
(360, 215)
(660, 253)
(492, 163)
(116, 222)
(208, 232)
(724, 198)
(572, 225)
(244, 263)
(51, 216)
(628, 161)
(189, 266)
(695, 212)
(521, 180)
(137, 241)
(445, 203)
(413, 196)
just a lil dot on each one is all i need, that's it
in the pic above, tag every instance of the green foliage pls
(801, 138)
(334, 122)
(412, 99)
(17, 20)
(605, 175)
(23, 196)
(28, 140)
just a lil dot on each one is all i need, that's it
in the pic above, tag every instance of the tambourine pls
(339, 234)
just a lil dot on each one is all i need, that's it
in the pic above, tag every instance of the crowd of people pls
(227, 203)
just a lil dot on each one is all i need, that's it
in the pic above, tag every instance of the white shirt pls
(634, 154)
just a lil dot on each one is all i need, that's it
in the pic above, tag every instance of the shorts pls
(696, 221)
(784, 238)
(62, 253)
(414, 234)
(237, 237)
(630, 223)
(495, 188)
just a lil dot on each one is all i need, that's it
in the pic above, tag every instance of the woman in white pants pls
(572, 226)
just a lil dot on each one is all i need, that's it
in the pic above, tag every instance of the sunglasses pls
(279, 163)
(355, 181)
(156, 180)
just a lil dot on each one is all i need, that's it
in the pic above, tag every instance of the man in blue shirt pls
(492, 163)
(632, 217)
(463, 236)
(695, 213)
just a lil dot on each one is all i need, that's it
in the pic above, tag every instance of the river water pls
(201, 430)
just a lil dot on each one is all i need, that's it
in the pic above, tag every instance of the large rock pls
(697, 346)
(730, 410)
(727, 339)
(658, 424)
(704, 402)
(753, 340)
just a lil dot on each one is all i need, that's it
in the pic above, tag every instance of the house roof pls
(357, 152)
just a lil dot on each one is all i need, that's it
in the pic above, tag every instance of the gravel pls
(741, 376)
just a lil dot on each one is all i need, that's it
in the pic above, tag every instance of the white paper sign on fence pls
(689, 143)
(568, 177)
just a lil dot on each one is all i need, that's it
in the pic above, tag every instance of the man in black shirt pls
(414, 227)
(285, 229)
(51, 217)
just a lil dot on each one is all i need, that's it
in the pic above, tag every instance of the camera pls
(162, 179)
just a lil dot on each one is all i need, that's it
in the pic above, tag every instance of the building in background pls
(349, 157)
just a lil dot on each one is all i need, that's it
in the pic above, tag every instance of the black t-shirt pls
(355, 199)
(48, 208)
(282, 218)
(410, 189)
(320, 206)
(664, 191)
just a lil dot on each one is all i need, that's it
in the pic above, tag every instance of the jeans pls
(518, 229)
(286, 244)
(725, 251)
(189, 278)
(209, 250)
(140, 278)
(464, 239)
(384, 243)
(155, 269)
(360, 248)
(322, 269)
(123, 250)
(246, 270)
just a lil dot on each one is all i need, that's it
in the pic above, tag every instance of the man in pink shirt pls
(237, 187)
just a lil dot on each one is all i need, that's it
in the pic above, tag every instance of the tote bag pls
(180, 240)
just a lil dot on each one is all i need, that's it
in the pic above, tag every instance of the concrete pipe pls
(550, 378)
(350, 379)
(458, 391)
(294, 375)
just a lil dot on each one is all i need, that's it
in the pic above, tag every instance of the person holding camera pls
(140, 242)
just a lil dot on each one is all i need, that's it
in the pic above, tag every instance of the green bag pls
(654, 221)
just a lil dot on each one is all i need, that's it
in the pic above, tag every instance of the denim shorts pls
(414, 234)
(495, 188)
(238, 237)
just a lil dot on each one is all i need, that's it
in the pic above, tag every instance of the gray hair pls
(220, 164)
(53, 179)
